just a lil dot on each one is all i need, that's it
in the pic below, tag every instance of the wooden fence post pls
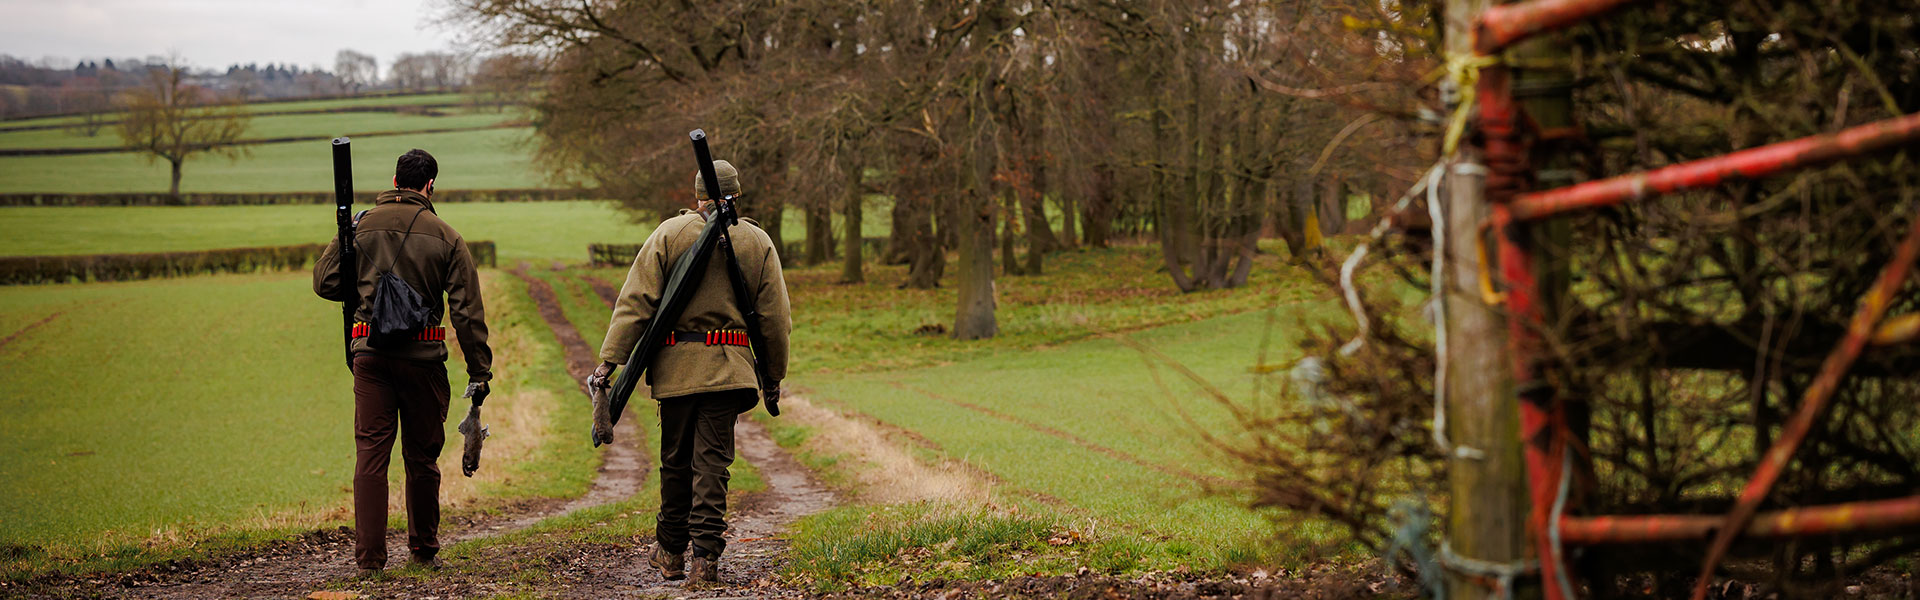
(1487, 479)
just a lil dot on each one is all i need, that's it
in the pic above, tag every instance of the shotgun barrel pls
(349, 258)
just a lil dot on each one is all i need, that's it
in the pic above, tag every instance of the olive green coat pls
(683, 369)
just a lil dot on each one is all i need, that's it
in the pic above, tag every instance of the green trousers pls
(696, 448)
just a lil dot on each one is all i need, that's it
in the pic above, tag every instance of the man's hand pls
(478, 391)
(771, 396)
(600, 388)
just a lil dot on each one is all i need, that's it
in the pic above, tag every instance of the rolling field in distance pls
(279, 126)
(287, 106)
(483, 159)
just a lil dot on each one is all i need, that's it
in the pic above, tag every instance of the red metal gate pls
(1542, 413)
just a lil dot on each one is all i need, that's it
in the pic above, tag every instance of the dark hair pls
(415, 169)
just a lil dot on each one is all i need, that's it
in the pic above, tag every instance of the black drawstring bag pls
(400, 313)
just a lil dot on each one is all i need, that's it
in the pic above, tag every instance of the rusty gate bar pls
(1542, 421)
(1752, 163)
(1873, 307)
(1833, 519)
(1506, 24)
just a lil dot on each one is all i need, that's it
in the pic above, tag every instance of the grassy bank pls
(181, 418)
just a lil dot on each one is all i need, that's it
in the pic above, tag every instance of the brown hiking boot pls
(705, 570)
(672, 566)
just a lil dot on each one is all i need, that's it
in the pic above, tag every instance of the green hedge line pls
(28, 270)
(612, 255)
(162, 199)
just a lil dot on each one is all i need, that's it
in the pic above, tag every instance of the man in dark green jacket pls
(705, 378)
(404, 385)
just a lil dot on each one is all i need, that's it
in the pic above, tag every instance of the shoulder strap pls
(403, 239)
(749, 308)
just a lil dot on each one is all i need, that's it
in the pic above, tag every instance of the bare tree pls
(168, 119)
(446, 70)
(355, 70)
(409, 72)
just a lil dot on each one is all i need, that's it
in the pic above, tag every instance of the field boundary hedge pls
(30, 270)
(259, 198)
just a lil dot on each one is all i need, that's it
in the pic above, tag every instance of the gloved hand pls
(600, 389)
(478, 391)
(602, 376)
(475, 433)
(771, 395)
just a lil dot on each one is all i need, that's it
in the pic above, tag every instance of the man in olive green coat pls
(704, 378)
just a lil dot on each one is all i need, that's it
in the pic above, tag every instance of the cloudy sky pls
(217, 33)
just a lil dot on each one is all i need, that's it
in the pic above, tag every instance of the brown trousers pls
(412, 395)
(696, 448)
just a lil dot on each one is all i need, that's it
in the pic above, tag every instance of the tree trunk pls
(770, 211)
(974, 317)
(928, 255)
(1098, 208)
(1333, 206)
(1069, 232)
(1167, 211)
(900, 237)
(1040, 238)
(819, 232)
(1009, 211)
(174, 190)
(850, 269)
(1488, 517)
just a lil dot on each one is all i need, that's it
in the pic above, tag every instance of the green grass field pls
(486, 159)
(288, 106)
(148, 419)
(275, 126)
(534, 231)
(118, 422)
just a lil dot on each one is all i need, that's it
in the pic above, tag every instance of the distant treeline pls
(29, 270)
(255, 198)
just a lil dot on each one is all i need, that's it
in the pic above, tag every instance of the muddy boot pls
(672, 565)
(705, 569)
(424, 562)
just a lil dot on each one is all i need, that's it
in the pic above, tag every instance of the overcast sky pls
(211, 34)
